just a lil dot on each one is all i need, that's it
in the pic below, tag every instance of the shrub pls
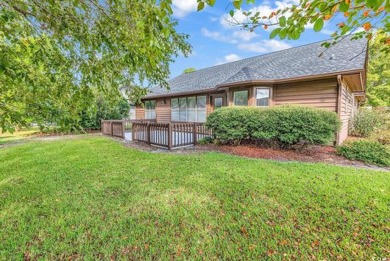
(367, 151)
(366, 121)
(230, 125)
(296, 124)
(287, 125)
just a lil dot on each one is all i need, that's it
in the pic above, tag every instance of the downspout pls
(339, 97)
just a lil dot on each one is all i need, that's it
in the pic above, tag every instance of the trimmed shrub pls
(365, 122)
(290, 125)
(367, 151)
(287, 125)
(230, 124)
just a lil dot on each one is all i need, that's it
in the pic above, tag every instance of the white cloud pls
(228, 58)
(264, 46)
(183, 7)
(265, 9)
(244, 35)
(217, 36)
(237, 36)
(232, 57)
(213, 19)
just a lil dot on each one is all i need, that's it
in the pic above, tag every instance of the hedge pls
(287, 125)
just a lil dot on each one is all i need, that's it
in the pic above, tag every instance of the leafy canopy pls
(360, 16)
(189, 70)
(378, 76)
(56, 55)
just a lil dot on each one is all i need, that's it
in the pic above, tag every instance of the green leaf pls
(282, 21)
(274, 33)
(211, 2)
(237, 4)
(231, 13)
(283, 33)
(343, 7)
(318, 25)
(200, 6)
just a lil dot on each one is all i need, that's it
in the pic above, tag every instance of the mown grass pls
(90, 198)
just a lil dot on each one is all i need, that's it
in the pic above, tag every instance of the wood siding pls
(320, 94)
(346, 111)
(139, 112)
(163, 110)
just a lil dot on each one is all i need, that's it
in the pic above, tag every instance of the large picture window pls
(262, 97)
(240, 98)
(192, 109)
(150, 110)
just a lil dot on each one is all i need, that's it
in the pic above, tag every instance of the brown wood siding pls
(163, 110)
(139, 112)
(346, 111)
(320, 94)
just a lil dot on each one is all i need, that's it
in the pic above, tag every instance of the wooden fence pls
(166, 135)
(169, 135)
(114, 128)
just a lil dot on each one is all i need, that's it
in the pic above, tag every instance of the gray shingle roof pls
(290, 63)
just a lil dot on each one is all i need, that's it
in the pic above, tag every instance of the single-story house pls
(333, 79)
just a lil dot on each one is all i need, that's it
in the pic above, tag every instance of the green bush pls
(290, 125)
(367, 151)
(286, 125)
(230, 125)
(366, 121)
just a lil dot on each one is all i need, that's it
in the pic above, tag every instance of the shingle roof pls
(289, 63)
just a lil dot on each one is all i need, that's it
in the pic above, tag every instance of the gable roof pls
(302, 61)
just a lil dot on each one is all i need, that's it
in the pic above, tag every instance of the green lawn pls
(90, 197)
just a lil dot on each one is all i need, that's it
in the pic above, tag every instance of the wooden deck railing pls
(166, 135)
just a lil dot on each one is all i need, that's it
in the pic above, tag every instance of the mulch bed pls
(324, 154)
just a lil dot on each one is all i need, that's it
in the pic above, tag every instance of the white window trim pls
(269, 98)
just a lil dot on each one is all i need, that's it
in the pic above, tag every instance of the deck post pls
(169, 136)
(123, 129)
(132, 132)
(195, 135)
(148, 133)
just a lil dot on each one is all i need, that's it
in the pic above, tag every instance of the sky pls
(215, 40)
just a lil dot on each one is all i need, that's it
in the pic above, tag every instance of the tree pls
(102, 109)
(55, 55)
(189, 70)
(378, 77)
(290, 22)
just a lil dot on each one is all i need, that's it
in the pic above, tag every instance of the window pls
(191, 109)
(150, 110)
(218, 102)
(262, 97)
(240, 98)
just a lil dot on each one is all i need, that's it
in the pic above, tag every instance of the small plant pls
(367, 151)
(206, 140)
(365, 122)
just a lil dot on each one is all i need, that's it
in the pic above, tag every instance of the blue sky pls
(215, 40)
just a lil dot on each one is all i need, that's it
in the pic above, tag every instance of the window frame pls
(195, 110)
(269, 96)
(150, 111)
(234, 97)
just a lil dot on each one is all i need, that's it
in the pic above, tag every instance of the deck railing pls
(165, 135)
